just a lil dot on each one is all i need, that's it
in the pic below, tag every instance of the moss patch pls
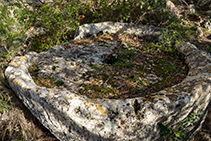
(133, 71)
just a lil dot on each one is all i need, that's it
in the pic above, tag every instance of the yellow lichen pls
(114, 107)
(204, 83)
(94, 100)
(176, 91)
(99, 107)
(102, 101)
(106, 112)
(160, 97)
(19, 83)
(14, 80)
(16, 64)
(197, 86)
(103, 111)
(26, 89)
(168, 92)
(23, 58)
(186, 88)
(89, 103)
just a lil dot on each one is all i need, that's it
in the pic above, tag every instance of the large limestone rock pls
(70, 116)
(149, 33)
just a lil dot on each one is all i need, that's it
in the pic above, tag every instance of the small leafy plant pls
(174, 134)
(54, 67)
(59, 83)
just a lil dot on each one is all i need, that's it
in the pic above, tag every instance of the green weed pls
(174, 134)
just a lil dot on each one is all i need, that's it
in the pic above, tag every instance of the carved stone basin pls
(74, 117)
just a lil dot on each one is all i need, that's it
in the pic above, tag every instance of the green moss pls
(54, 67)
(59, 83)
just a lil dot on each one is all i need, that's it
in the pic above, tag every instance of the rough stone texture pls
(173, 9)
(149, 33)
(70, 116)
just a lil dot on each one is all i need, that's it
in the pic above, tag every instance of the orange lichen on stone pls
(106, 112)
(76, 95)
(89, 103)
(103, 111)
(16, 64)
(37, 89)
(19, 83)
(94, 100)
(26, 89)
(14, 80)
(99, 107)
(102, 101)
(114, 107)
(168, 92)
(160, 97)
(23, 58)
(186, 88)
(197, 86)
(176, 91)
(204, 83)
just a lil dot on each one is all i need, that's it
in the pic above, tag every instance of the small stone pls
(208, 25)
(199, 31)
(192, 9)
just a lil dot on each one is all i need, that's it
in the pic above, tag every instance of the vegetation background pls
(38, 27)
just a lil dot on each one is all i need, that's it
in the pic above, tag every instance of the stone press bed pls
(74, 117)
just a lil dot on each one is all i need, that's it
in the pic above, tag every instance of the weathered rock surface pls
(174, 10)
(149, 33)
(70, 116)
